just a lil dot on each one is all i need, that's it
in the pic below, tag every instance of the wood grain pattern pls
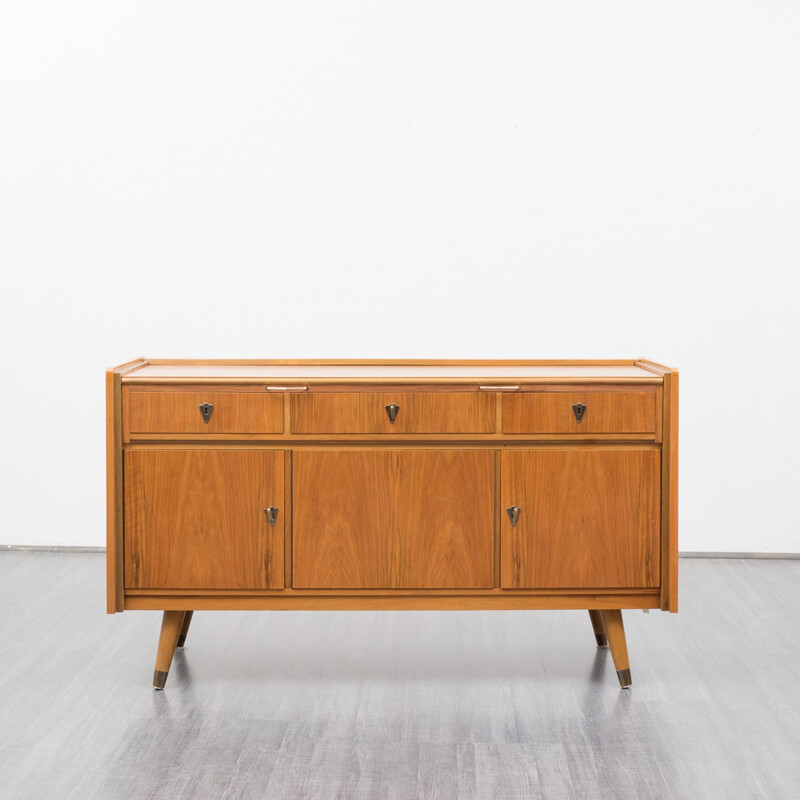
(171, 624)
(669, 522)
(187, 621)
(114, 522)
(590, 518)
(179, 412)
(195, 519)
(115, 600)
(365, 600)
(285, 440)
(617, 642)
(606, 412)
(669, 484)
(418, 525)
(393, 519)
(596, 618)
(420, 412)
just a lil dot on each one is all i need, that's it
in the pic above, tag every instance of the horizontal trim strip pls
(35, 548)
(58, 548)
(403, 362)
(391, 602)
(375, 592)
(288, 441)
(734, 554)
(273, 381)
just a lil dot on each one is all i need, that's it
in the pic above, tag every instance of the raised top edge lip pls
(372, 371)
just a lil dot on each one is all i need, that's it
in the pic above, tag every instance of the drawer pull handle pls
(513, 514)
(287, 388)
(499, 388)
(205, 410)
(272, 514)
(391, 411)
(579, 409)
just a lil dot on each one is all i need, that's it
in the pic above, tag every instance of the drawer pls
(417, 412)
(227, 412)
(603, 412)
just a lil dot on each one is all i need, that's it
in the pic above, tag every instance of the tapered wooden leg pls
(612, 621)
(599, 628)
(171, 625)
(187, 620)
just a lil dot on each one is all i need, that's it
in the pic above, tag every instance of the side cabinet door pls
(195, 519)
(588, 518)
(393, 519)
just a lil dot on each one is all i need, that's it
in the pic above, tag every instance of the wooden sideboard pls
(392, 485)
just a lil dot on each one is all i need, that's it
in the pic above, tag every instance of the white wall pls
(448, 179)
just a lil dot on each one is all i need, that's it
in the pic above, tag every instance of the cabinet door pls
(195, 519)
(393, 519)
(589, 518)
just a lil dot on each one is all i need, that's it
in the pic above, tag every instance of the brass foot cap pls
(159, 679)
(181, 641)
(602, 639)
(624, 676)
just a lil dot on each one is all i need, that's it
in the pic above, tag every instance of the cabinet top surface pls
(159, 371)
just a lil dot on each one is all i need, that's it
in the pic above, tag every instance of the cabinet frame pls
(651, 376)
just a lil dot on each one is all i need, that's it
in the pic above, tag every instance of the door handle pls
(391, 411)
(513, 514)
(272, 515)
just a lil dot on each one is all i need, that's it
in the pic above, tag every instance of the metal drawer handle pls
(513, 514)
(205, 410)
(391, 411)
(498, 388)
(579, 409)
(272, 514)
(287, 388)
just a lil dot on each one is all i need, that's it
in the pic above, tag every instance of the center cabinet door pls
(589, 518)
(195, 519)
(393, 519)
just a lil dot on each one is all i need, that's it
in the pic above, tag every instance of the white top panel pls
(377, 372)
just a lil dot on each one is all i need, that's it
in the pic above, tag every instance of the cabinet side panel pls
(114, 573)
(669, 521)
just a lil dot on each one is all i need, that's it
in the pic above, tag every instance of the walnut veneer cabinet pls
(392, 485)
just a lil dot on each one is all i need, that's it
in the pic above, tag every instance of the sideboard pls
(356, 484)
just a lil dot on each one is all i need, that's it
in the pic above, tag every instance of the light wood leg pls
(612, 621)
(187, 620)
(171, 625)
(599, 628)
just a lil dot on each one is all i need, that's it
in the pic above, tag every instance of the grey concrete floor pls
(393, 705)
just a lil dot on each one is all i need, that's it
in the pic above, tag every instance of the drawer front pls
(599, 412)
(180, 412)
(416, 412)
